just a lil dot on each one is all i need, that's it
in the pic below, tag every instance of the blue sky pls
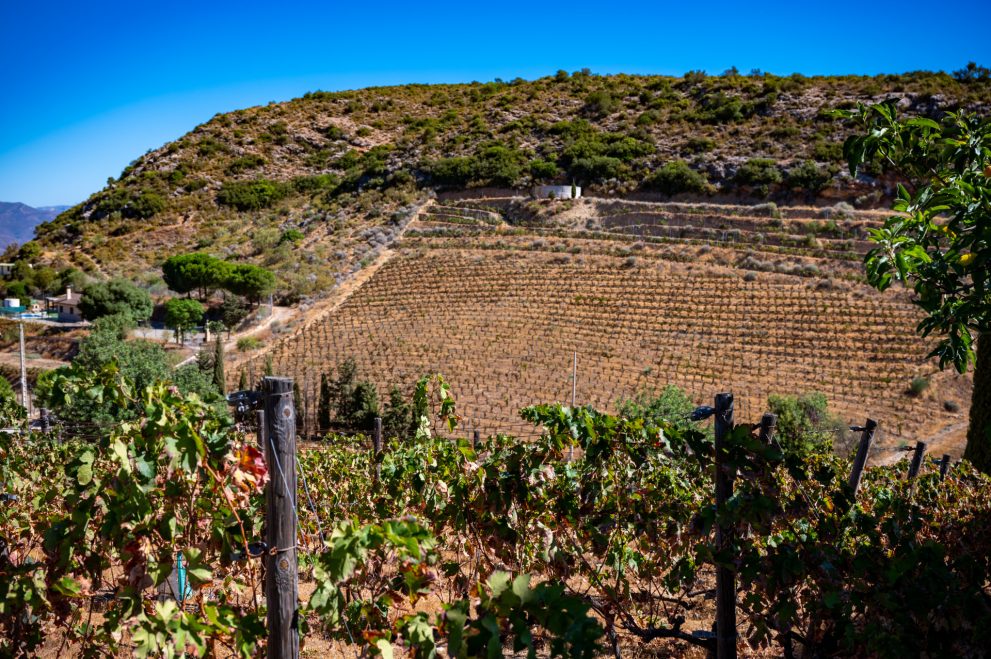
(89, 86)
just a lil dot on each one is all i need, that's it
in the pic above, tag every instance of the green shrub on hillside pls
(245, 163)
(251, 195)
(758, 172)
(600, 104)
(595, 169)
(133, 204)
(677, 177)
(808, 176)
(544, 170)
(495, 164)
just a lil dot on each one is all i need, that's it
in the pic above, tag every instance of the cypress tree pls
(297, 401)
(218, 366)
(242, 384)
(326, 403)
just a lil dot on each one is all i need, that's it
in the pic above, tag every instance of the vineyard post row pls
(277, 437)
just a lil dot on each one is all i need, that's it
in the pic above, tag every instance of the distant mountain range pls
(17, 221)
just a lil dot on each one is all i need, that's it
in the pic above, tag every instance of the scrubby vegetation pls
(331, 165)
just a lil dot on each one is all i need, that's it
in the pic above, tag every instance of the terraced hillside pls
(498, 295)
(313, 187)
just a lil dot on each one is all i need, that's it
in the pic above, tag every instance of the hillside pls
(719, 244)
(319, 185)
(498, 294)
(17, 221)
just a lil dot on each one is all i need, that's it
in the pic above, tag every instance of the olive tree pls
(939, 240)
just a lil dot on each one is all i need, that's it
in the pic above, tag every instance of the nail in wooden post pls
(725, 577)
(377, 447)
(944, 466)
(920, 452)
(281, 572)
(860, 461)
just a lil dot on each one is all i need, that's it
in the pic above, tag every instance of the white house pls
(67, 306)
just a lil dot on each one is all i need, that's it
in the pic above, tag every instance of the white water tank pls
(557, 191)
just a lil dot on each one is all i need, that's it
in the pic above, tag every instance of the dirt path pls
(322, 308)
(14, 360)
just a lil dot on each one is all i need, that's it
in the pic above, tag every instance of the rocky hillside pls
(317, 187)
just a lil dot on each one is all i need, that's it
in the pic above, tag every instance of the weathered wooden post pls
(725, 577)
(377, 448)
(46, 421)
(920, 452)
(860, 461)
(475, 438)
(944, 466)
(281, 572)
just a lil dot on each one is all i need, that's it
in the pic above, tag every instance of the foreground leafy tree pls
(140, 362)
(939, 243)
(118, 296)
(182, 315)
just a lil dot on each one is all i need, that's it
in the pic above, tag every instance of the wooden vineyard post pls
(377, 448)
(281, 572)
(860, 461)
(920, 452)
(725, 578)
(944, 466)
(475, 437)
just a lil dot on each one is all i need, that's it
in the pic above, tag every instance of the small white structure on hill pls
(557, 191)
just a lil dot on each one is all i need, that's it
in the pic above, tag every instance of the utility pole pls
(25, 400)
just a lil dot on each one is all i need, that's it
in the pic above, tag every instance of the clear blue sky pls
(86, 87)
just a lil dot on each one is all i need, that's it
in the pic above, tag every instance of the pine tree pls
(218, 366)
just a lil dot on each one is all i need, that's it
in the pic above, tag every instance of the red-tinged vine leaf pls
(251, 472)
